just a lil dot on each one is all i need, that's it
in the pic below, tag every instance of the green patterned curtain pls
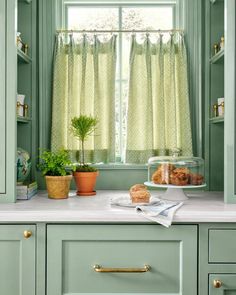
(84, 83)
(158, 119)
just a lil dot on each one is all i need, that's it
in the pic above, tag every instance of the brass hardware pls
(215, 110)
(217, 284)
(99, 268)
(27, 234)
(216, 48)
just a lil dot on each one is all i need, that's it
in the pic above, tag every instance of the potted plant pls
(53, 167)
(85, 176)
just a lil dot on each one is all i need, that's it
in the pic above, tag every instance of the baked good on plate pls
(195, 179)
(139, 194)
(162, 174)
(180, 176)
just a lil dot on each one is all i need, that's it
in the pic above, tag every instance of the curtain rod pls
(119, 31)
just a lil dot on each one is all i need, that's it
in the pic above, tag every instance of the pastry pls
(137, 187)
(139, 194)
(195, 179)
(162, 174)
(180, 176)
(142, 196)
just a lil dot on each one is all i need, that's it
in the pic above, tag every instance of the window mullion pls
(120, 87)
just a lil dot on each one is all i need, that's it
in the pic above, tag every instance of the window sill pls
(117, 166)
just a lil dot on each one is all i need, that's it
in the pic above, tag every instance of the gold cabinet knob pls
(217, 283)
(27, 234)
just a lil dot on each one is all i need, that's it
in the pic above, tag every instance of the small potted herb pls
(85, 176)
(53, 167)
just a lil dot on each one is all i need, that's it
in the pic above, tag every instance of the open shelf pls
(23, 120)
(22, 57)
(218, 57)
(216, 120)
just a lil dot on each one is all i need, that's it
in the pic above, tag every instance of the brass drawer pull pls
(27, 234)
(217, 283)
(99, 268)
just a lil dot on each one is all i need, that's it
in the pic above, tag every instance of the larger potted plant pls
(85, 175)
(58, 177)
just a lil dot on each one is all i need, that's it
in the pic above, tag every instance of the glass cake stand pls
(174, 192)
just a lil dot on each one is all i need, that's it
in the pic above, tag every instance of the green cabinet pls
(230, 107)
(222, 284)
(7, 100)
(217, 259)
(74, 250)
(2, 97)
(17, 257)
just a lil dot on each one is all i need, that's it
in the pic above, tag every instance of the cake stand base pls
(174, 194)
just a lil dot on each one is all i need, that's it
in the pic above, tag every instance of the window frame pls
(175, 4)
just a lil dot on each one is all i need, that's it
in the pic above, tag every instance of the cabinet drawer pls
(73, 250)
(222, 284)
(222, 245)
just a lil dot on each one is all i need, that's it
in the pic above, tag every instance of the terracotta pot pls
(58, 186)
(85, 183)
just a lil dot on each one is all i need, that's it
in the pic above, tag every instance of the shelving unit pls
(214, 89)
(218, 57)
(27, 78)
(23, 120)
(22, 57)
(216, 120)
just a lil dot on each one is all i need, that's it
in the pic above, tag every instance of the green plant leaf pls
(54, 163)
(82, 127)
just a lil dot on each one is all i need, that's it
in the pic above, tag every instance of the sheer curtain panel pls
(84, 83)
(158, 119)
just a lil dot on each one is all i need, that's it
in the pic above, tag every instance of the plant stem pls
(82, 141)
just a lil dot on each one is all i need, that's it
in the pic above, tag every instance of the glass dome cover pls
(176, 171)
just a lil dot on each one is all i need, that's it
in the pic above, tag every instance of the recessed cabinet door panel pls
(222, 245)
(227, 284)
(17, 260)
(74, 250)
(2, 98)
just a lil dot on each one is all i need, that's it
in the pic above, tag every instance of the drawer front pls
(222, 284)
(73, 250)
(222, 245)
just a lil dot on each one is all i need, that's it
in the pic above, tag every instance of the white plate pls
(126, 202)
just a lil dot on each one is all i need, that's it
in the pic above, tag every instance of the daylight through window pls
(128, 17)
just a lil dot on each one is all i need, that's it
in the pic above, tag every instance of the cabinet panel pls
(73, 250)
(7, 100)
(222, 245)
(17, 256)
(228, 286)
(2, 97)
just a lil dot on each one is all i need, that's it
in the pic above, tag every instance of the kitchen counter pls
(201, 207)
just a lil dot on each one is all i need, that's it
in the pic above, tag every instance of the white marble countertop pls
(201, 207)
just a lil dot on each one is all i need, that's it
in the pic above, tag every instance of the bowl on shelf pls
(23, 165)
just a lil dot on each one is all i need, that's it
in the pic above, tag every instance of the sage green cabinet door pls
(8, 90)
(228, 286)
(2, 97)
(74, 250)
(17, 260)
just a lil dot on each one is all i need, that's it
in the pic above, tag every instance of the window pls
(144, 16)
